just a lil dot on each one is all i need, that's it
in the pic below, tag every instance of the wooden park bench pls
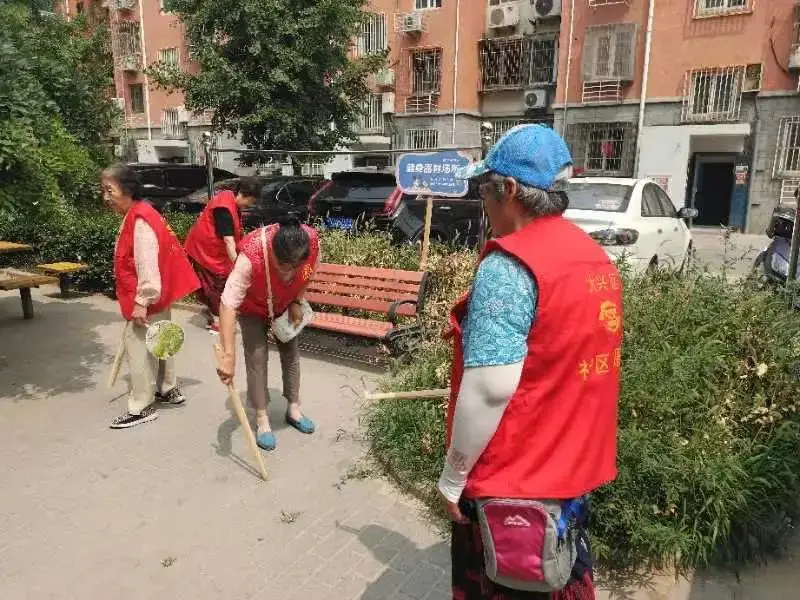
(14, 279)
(64, 272)
(378, 305)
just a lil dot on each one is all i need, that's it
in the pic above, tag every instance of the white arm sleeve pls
(482, 399)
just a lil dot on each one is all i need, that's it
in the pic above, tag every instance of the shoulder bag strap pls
(270, 308)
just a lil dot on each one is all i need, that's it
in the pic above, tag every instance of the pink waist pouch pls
(521, 545)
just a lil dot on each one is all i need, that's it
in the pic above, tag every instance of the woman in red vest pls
(213, 241)
(287, 254)
(536, 362)
(151, 272)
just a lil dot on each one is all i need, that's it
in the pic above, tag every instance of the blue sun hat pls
(534, 155)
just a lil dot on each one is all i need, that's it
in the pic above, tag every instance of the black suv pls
(162, 182)
(280, 196)
(355, 198)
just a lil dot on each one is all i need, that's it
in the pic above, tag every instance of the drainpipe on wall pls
(455, 71)
(751, 192)
(648, 38)
(569, 65)
(144, 67)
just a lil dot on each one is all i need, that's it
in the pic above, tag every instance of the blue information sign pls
(432, 173)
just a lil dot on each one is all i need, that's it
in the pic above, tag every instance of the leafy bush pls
(66, 233)
(54, 113)
(709, 467)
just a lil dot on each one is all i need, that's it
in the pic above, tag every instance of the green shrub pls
(709, 467)
(67, 233)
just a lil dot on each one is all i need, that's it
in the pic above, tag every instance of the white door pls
(654, 228)
(674, 228)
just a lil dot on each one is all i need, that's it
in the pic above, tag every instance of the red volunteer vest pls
(283, 292)
(204, 245)
(558, 436)
(178, 278)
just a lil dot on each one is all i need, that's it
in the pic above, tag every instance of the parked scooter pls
(771, 266)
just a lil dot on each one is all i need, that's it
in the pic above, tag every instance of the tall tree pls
(276, 72)
(54, 112)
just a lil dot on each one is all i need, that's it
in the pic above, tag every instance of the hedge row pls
(709, 441)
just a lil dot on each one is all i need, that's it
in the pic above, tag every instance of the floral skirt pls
(469, 574)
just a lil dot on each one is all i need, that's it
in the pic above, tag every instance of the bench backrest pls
(367, 288)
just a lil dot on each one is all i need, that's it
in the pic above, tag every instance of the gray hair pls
(536, 201)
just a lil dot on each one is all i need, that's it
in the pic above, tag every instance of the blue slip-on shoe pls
(303, 425)
(266, 440)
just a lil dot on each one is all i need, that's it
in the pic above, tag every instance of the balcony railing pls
(721, 8)
(788, 189)
(598, 92)
(712, 95)
(423, 103)
(599, 3)
(171, 127)
(126, 45)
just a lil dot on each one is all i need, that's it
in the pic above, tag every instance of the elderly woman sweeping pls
(212, 242)
(532, 419)
(274, 267)
(151, 272)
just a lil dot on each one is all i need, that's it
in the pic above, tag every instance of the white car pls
(634, 218)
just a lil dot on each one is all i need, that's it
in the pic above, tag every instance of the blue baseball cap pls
(534, 155)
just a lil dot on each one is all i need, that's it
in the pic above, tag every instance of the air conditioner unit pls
(387, 103)
(506, 15)
(129, 62)
(184, 116)
(120, 102)
(753, 77)
(794, 59)
(412, 22)
(384, 78)
(545, 9)
(536, 99)
(123, 4)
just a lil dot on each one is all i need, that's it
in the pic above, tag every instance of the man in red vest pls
(213, 241)
(536, 361)
(151, 271)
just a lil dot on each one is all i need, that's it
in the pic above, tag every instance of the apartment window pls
(312, 169)
(126, 45)
(136, 93)
(512, 63)
(171, 127)
(716, 8)
(426, 71)
(422, 139)
(169, 56)
(713, 95)
(501, 126)
(371, 117)
(796, 26)
(609, 52)
(787, 155)
(603, 148)
(425, 4)
(372, 37)
(426, 79)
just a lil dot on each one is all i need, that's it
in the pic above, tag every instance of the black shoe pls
(129, 420)
(174, 397)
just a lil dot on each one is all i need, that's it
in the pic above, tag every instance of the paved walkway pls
(172, 510)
